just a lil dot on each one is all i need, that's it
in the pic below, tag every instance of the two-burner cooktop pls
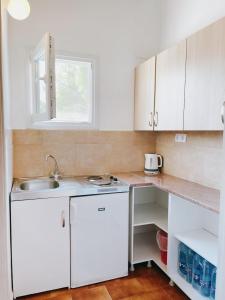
(97, 184)
(104, 180)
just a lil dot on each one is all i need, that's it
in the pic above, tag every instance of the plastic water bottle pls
(182, 260)
(197, 272)
(205, 279)
(213, 284)
(190, 258)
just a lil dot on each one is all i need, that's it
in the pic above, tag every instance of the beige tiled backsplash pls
(198, 160)
(97, 152)
(80, 152)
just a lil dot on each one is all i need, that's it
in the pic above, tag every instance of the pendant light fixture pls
(19, 9)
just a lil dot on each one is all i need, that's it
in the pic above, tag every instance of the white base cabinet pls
(197, 227)
(40, 245)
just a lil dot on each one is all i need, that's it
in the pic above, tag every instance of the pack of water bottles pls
(197, 271)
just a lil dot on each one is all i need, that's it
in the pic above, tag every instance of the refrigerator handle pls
(63, 221)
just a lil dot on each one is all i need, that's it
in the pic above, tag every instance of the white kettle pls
(152, 163)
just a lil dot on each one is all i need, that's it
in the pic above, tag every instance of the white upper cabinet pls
(205, 78)
(170, 84)
(144, 95)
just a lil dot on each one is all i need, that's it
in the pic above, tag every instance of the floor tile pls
(142, 284)
(157, 295)
(95, 293)
(48, 295)
(119, 289)
(153, 281)
(66, 296)
(175, 293)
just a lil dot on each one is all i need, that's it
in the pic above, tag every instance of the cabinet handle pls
(63, 221)
(101, 209)
(156, 119)
(222, 112)
(150, 120)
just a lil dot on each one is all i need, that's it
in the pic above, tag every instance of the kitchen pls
(127, 81)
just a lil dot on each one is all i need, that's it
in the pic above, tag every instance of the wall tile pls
(93, 159)
(80, 152)
(28, 161)
(97, 152)
(30, 137)
(66, 158)
(199, 160)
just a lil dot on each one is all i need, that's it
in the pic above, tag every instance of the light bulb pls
(19, 9)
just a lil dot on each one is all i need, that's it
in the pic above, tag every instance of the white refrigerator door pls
(99, 238)
(40, 245)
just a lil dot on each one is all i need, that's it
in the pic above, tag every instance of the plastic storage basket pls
(162, 241)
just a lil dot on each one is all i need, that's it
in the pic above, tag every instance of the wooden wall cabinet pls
(144, 95)
(205, 78)
(170, 84)
(183, 88)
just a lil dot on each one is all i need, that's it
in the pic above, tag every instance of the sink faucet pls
(55, 173)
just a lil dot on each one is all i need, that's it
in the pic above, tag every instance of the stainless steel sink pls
(38, 184)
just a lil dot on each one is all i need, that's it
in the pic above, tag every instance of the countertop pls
(196, 193)
(68, 187)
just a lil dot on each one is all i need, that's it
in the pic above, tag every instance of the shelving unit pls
(148, 213)
(187, 287)
(151, 213)
(202, 242)
(146, 249)
(197, 228)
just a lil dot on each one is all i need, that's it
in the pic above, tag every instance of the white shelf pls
(202, 242)
(146, 248)
(151, 213)
(186, 287)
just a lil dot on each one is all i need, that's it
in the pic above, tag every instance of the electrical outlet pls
(180, 138)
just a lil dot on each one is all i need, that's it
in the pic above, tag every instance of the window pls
(74, 90)
(63, 88)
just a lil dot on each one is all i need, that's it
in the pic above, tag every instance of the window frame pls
(57, 124)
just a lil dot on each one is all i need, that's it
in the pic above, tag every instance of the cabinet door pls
(40, 245)
(144, 95)
(170, 84)
(205, 78)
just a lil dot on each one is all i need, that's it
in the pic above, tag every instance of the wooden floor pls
(143, 284)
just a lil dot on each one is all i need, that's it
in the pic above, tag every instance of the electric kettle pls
(152, 163)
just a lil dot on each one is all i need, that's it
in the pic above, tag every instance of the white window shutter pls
(43, 75)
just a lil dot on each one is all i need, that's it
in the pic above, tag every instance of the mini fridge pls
(99, 238)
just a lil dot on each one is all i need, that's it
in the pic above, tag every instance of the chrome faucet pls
(55, 174)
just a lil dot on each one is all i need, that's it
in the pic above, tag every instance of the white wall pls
(6, 179)
(118, 33)
(181, 18)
